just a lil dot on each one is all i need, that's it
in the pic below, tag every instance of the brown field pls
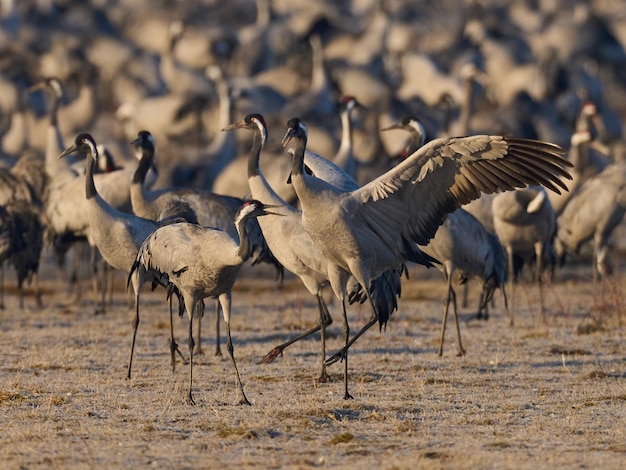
(535, 395)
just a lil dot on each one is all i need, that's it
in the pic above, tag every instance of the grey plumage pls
(592, 213)
(117, 235)
(463, 245)
(201, 262)
(211, 210)
(525, 224)
(374, 228)
(292, 245)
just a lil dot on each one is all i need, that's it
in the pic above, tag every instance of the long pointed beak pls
(395, 125)
(67, 151)
(36, 87)
(271, 206)
(287, 137)
(236, 125)
(135, 142)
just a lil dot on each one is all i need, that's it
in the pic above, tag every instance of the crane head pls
(83, 143)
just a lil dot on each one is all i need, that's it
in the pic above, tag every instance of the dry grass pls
(533, 395)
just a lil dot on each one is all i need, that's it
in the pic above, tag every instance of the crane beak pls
(271, 206)
(287, 137)
(395, 125)
(236, 125)
(67, 151)
(135, 142)
(36, 87)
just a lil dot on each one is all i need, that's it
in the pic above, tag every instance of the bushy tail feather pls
(386, 290)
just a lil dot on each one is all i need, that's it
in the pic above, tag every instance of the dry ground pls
(535, 395)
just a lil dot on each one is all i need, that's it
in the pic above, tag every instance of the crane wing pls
(414, 198)
(324, 169)
(170, 249)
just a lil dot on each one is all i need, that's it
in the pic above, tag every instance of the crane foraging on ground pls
(376, 227)
(201, 262)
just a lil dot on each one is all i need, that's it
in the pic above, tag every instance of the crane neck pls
(579, 156)
(467, 107)
(258, 141)
(344, 157)
(244, 239)
(298, 156)
(145, 162)
(90, 186)
(54, 109)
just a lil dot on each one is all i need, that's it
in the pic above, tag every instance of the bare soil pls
(537, 394)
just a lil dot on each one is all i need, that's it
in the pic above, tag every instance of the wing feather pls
(449, 172)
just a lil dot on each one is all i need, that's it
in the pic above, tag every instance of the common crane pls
(201, 262)
(376, 227)
(291, 244)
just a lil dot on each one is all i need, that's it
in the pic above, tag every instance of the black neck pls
(147, 155)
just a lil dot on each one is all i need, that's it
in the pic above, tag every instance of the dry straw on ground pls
(533, 395)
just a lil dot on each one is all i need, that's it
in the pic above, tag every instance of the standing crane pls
(525, 223)
(592, 213)
(376, 227)
(463, 244)
(291, 244)
(212, 210)
(117, 235)
(201, 262)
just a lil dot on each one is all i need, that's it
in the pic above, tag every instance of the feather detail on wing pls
(452, 172)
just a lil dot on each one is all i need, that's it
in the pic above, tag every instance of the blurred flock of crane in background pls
(552, 70)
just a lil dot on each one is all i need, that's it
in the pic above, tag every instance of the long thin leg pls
(539, 272)
(346, 337)
(76, 277)
(225, 301)
(325, 321)
(97, 295)
(135, 326)
(444, 319)
(173, 344)
(509, 257)
(456, 321)
(190, 310)
(198, 351)
(218, 349)
(340, 354)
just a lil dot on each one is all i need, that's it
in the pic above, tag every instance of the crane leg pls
(456, 321)
(346, 337)
(135, 326)
(190, 400)
(198, 351)
(539, 272)
(444, 319)
(325, 320)
(218, 349)
(225, 301)
(173, 344)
